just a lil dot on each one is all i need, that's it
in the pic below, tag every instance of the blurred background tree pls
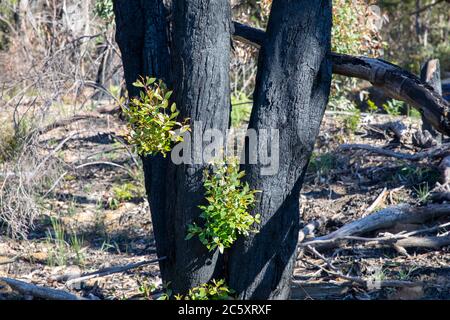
(417, 30)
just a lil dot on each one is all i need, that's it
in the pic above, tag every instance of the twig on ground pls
(370, 284)
(435, 152)
(112, 270)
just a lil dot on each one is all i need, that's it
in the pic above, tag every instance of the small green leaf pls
(150, 81)
(138, 84)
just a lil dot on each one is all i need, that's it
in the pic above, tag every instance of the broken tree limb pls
(393, 80)
(398, 84)
(434, 152)
(112, 270)
(431, 74)
(38, 291)
(309, 229)
(382, 219)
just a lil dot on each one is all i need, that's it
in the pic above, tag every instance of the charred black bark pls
(142, 35)
(201, 57)
(292, 88)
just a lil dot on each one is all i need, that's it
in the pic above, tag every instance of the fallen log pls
(393, 80)
(38, 291)
(305, 290)
(382, 219)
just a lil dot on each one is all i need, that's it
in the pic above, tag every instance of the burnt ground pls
(103, 212)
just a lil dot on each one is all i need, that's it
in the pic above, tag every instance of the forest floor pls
(97, 217)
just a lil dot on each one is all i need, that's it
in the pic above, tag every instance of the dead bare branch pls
(113, 270)
(432, 153)
(38, 291)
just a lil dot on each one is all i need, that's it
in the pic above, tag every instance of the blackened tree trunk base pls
(292, 89)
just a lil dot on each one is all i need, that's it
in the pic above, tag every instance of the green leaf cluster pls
(152, 120)
(227, 213)
(216, 290)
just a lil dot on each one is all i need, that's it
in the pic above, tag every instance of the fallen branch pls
(435, 152)
(382, 219)
(309, 229)
(393, 80)
(38, 291)
(107, 163)
(112, 270)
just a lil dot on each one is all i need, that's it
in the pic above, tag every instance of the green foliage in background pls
(351, 122)
(227, 213)
(355, 29)
(241, 108)
(122, 193)
(152, 124)
(416, 37)
(322, 164)
(13, 139)
(104, 9)
(393, 107)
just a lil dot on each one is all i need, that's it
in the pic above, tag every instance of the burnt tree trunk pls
(193, 57)
(142, 36)
(292, 89)
(201, 59)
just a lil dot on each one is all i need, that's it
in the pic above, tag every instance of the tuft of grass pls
(351, 122)
(64, 252)
(405, 275)
(12, 140)
(123, 193)
(322, 164)
(423, 193)
(58, 255)
(393, 107)
(413, 176)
